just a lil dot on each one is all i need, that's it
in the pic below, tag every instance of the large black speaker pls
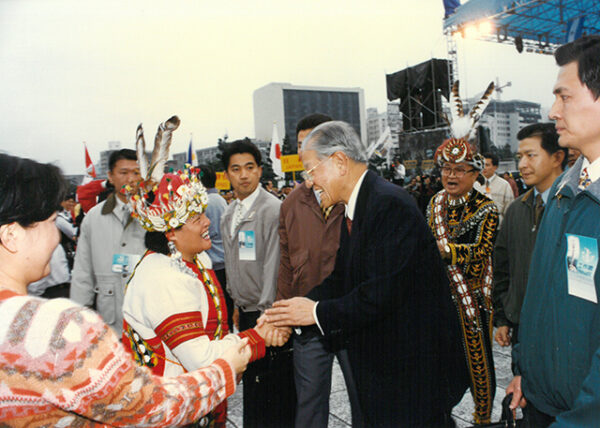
(419, 89)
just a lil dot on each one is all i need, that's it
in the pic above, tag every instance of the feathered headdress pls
(164, 201)
(463, 128)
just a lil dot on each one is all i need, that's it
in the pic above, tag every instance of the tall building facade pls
(102, 168)
(377, 122)
(506, 118)
(285, 104)
(394, 121)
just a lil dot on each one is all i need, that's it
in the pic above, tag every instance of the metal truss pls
(540, 24)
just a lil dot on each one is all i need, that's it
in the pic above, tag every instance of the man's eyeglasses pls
(458, 172)
(307, 175)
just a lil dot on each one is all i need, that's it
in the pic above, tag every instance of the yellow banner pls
(410, 164)
(222, 183)
(427, 164)
(291, 163)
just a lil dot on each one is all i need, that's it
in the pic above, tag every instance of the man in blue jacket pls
(558, 357)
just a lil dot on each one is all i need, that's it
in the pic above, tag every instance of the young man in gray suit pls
(251, 244)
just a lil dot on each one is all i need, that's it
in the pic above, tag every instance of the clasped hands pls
(297, 311)
(275, 324)
(272, 335)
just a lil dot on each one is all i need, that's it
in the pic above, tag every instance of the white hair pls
(336, 136)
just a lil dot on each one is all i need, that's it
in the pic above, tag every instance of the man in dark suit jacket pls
(387, 300)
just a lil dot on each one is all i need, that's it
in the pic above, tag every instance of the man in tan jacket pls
(309, 236)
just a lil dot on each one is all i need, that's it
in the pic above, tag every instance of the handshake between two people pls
(275, 327)
(285, 314)
(273, 336)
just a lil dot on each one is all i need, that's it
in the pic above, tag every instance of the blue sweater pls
(559, 350)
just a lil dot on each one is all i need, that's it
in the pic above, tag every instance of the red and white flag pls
(275, 153)
(89, 166)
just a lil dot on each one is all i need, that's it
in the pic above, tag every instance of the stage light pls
(471, 32)
(485, 28)
(460, 33)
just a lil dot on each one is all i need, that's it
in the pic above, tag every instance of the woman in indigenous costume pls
(60, 364)
(464, 223)
(175, 318)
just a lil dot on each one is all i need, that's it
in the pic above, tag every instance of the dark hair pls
(239, 147)
(157, 242)
(71, 193)
(547, 133)
(585, 51)
(493, 157)
(29, 191)
(121, 154)
(311, 121)
(207, 176)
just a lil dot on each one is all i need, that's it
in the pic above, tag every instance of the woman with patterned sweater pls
(60, 364)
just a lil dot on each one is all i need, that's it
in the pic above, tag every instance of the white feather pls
(480, 107)
(466, 126)
(456, 105)
(140, 146)
(162, 143)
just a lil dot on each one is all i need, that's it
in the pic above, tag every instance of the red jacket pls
(87, 194)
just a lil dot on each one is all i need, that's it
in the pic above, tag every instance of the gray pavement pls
(339, 406)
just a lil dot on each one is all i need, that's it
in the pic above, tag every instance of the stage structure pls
(537, 26)
(419, 89)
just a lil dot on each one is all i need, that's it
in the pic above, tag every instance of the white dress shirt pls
(242, 207)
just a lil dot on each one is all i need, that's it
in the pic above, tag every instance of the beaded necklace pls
(455, 275)
(214, 294)
(178, 262)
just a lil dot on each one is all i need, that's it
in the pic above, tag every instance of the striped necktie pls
(238, 214)
(539, 209)
(326, 211)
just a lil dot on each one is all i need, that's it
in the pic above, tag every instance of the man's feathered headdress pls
(164, 201)
(463, 128)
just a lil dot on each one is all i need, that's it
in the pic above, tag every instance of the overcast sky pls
(74, 71)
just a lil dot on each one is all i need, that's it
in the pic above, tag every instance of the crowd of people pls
(176, 293)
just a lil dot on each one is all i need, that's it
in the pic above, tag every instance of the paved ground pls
(339, 406)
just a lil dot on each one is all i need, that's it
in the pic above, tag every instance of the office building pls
(285, 104)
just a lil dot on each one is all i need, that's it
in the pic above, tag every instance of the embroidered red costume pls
(175, 320)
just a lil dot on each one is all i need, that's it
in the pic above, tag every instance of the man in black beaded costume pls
(464, 223)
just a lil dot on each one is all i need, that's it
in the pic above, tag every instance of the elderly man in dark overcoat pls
(387, 301)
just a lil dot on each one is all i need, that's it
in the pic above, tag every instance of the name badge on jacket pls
(582, 260)
(247, 245)
(124, 263)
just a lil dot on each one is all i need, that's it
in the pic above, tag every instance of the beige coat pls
(102, 236)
